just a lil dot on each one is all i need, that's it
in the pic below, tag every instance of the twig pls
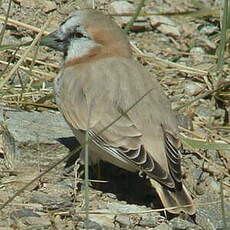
(221, 49)
(142, 212)
(48, 75)
(199, 97)
(218, 167)
(5, 22)
(24, 55)
(134, 17)
(169, 63)
(30, 103)
(24, 25)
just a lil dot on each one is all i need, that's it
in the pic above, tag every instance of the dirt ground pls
(181, 50)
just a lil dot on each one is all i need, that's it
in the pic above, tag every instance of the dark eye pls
(78, 34)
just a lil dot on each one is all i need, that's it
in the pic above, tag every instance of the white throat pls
(79, 48)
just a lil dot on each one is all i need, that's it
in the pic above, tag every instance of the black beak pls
(54, 40)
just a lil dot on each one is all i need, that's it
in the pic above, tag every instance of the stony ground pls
(178, 49)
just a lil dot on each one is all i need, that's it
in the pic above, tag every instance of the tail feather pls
(175, 199)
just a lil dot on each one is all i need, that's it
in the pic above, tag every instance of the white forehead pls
(73, 21)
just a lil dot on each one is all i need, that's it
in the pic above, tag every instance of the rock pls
(111, 195)
(5, 6)
(208, 45)
(184, 121)
(208, 30)
(123, 220)
(124, 7)
(214, 186)
(121, 7)
(9, 39)
(106, 220)
(203, 111)
(192, 88)
(219, 114)
(163, 226)
(199, 51)
(209, 216)
(164, 25)
(24, 129)
(24, 212)
(36, 127)
(180, 224)
(125, 208)
(146, 220)
(52, 202)
(47, 6)
(37, 222)
(90, 225)
(26, 39)
(151, 220)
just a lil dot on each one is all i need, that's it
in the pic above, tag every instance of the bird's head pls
(88, 34)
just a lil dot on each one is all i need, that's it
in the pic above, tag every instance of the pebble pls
(203, 111)
(123, 220)
(47, 6)
(106, 220)
(164, 25)
(180, 224)
(27, 127)
(111, 195)
(192, 88)
(208, 30)
(125, 208)
(121, 7)
(24, 212)
(210, 216)
(151, 220)
(163, 226)
(37, 222)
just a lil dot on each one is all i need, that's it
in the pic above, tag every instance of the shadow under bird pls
(98, 82)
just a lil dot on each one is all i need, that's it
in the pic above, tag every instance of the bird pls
(101, 89)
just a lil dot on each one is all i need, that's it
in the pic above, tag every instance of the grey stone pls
(203, 111)
(47, 6)
(24, 212)
(209, 30)
(37, 127)
(91, 225)
(198, 51)
(151, 219)
(125, 208)
(209, 215)
(192, 88)
(121, 7)
(53, 201)
(180, 224)
(163, 226)
(123, 220)
(111, 195)
(184, 121)
(105, 220)
(214, 186)
(165, 25)
(37, 222)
